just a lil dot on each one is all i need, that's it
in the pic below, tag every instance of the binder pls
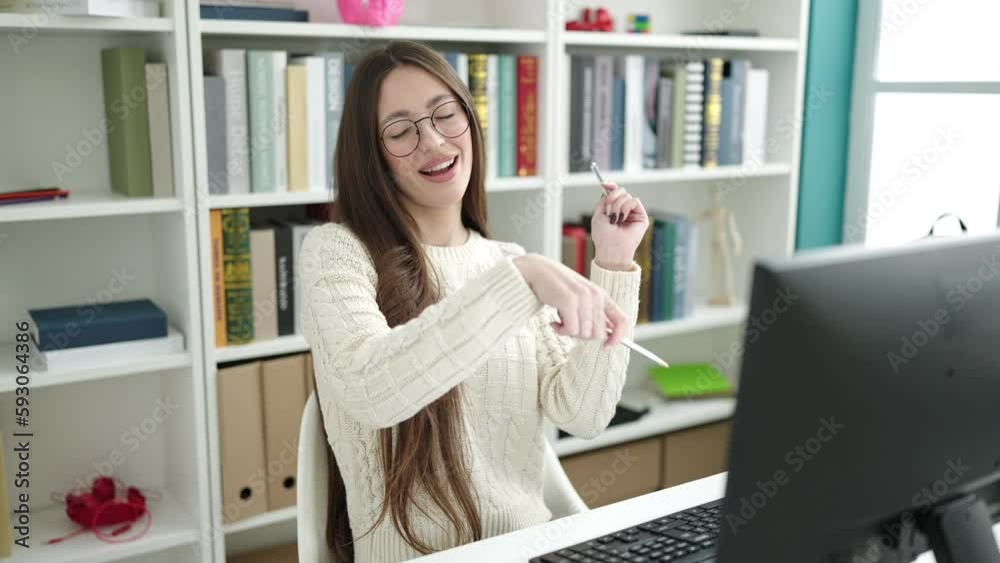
(241, 441)
(284, 391)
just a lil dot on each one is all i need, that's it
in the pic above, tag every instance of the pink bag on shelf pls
(379, 13)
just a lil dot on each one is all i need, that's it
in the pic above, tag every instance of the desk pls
(519, 546)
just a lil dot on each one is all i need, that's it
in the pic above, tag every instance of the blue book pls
(618, 125)
(253, 13)
(734, 86)
(348, 71)
(656, 276)
(452, 58)
(681, 264)
(75, 326)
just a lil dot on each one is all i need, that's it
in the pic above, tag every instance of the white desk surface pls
(522, 545)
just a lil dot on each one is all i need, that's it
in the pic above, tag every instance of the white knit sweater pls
(488, 333)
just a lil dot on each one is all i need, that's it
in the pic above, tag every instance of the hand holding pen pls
(617, 226)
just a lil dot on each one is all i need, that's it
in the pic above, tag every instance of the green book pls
(666, 289)
(124, 74)
(507, 165)
(684, 381)
(236, 275)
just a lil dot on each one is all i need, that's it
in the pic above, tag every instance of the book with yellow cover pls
(298, 138)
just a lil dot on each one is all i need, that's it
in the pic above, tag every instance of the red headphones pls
(108, 503)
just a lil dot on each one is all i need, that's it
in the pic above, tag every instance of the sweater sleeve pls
(382, 376)
(581, 381)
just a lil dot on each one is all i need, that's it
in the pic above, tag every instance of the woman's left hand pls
(617, 226)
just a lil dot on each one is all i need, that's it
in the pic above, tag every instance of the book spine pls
(284, 281)
(713, 112)
(669, 258)
(644, 258)
(586, 117)
(576, 162)
(680, 268)
(692, 105)
(650, 110)
(679, 117)
(619, 132)
(477, 87)
(664, 123)
(738, 75)
(692, 267)
(127, 115)
(298, 133)
(755, 117)
(160, 150)
(315, 124)
(634, 129)
(279, 111)
(463, 68)
(334, 109)
(262, 278)
(527, 115)
(726, 121)
(214, 88)
(603, 107)
(508, 116)
(262, 135)
(656, 275)
(254, 13)
(493, 115)
(218, 284)
(231, 65)
(236, 275)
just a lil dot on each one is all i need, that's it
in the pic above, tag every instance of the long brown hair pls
(368, 202)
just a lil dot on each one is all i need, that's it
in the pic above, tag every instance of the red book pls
(527, 114)
(579, 236)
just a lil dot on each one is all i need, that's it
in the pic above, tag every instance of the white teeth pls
(441, 166)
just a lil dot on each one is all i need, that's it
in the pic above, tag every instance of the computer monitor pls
(867, 426)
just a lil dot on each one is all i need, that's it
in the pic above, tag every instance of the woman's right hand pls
(585, 309)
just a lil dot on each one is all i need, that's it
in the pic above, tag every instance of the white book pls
(113, 8)
(101, 355)
(161, 152)
(634, 83)
(315, 120)
(755, 117)
(492, 115)
(279, 104)
(463, 68)
(231, 65)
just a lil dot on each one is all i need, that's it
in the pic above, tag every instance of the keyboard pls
(688, 536)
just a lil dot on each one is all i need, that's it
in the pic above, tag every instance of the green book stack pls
(124, 74)
(236, 275)
(690, 381)
(508, 116)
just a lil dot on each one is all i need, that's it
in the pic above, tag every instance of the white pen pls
(626, 341)
(629, 344)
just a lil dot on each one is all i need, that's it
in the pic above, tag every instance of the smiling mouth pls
(442, 168)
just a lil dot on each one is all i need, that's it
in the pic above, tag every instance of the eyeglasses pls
(400, 138)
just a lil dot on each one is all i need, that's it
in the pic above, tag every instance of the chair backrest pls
(313, 484)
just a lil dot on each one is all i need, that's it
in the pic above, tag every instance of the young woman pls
(436, 350)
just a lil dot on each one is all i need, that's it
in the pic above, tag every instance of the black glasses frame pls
(416, 126)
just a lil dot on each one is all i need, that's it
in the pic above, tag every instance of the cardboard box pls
(617, 473)
(241, 441)
(283, 388)
(695, 453)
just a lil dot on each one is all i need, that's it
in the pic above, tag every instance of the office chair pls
(312, 487)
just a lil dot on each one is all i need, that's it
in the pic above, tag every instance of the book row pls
(642, 112)
(253, 276)
(667, 256)
(272, 119)
(136, 123)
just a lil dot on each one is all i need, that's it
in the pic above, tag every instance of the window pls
(925, 131)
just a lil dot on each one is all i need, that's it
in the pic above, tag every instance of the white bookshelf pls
(92, 247)
(165, 241)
